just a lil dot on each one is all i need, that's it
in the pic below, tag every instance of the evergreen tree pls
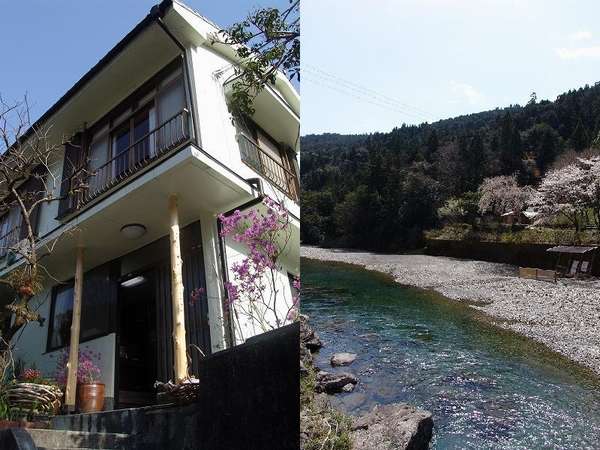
(532, 99)
(579, 139)
(474, 163)
(431, 146)
(510, 146)
(544, 143)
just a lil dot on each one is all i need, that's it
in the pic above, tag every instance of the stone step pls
(64, 439)
(66, 448)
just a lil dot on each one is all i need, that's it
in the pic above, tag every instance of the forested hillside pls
(381, 191)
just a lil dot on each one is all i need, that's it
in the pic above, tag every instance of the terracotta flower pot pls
(90, 397)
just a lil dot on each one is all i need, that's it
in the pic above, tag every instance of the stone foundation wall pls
(249, 399)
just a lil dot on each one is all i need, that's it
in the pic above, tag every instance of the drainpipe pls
(229, 328)
(163, 26)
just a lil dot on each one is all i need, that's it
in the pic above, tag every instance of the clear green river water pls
(487, 388)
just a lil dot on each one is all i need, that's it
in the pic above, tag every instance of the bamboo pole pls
(180, 357)
(75, 329)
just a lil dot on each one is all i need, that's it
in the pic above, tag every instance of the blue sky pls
(367, 66)
(48, 45)
(423, 60)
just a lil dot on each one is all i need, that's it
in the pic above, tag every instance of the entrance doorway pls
(137, 340)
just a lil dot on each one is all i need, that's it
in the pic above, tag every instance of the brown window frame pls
(149, 94)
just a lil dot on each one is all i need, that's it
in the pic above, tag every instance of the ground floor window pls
(96, 308)
(61, 317)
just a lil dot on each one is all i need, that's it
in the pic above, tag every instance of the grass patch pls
(321, 426)
(504, 234)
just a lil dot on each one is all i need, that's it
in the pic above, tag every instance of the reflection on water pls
(486, 387)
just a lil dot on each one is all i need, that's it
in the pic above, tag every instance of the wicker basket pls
(184, 393)
(34, 399)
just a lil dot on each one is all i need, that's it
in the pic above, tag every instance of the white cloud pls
(580, 36)
(472, 95)
(578, 52)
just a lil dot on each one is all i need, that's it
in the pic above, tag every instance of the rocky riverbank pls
(564, 316)
(386, 427)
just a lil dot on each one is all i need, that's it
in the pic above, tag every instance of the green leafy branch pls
(267, 41)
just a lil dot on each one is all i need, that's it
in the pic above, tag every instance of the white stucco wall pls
(214, 277)
(217, 130)
(277, 293)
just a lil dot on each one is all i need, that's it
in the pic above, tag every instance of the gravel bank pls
(565, 316)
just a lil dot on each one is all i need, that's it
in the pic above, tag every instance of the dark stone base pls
(249, 399)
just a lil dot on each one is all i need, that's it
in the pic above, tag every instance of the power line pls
(360, 96)
(362, 89)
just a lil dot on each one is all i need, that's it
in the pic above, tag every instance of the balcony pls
(164, 139)
(281, 177)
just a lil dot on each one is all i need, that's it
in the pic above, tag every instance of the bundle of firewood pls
(187, 391)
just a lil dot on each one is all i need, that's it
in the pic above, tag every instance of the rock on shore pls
(308, 337)
(564, 316)
(393, 427)
(396, 426)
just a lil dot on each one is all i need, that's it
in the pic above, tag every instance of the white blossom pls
(571, 192)
(503, 194)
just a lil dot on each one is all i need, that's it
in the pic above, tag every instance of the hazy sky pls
(425, 60)
(47, 45)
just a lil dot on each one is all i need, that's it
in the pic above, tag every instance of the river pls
(487, 388)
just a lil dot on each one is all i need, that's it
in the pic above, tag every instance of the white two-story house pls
(151, 123)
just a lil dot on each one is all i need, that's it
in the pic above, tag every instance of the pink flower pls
(260, 233)
(31, 375)
(195, 295)
(87, 370)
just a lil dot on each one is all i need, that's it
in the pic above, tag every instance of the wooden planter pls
(90, 397)
(32, 399)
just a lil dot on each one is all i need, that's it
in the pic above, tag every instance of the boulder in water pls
(348, 388)
(343, 359)
(333, 383)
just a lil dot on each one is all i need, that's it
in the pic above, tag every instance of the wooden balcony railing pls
(255, 157)
(166, 137)
(9, 240)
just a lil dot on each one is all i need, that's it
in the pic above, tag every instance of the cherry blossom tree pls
(572, 192)
(502, 194)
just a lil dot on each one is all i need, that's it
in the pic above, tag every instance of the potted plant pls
(90, 389)
(30, 397)
(6, 416)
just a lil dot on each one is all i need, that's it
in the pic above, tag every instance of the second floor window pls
(10, 224)
(138, 132)
(12, 229)
(270, 159)
(149, 122)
